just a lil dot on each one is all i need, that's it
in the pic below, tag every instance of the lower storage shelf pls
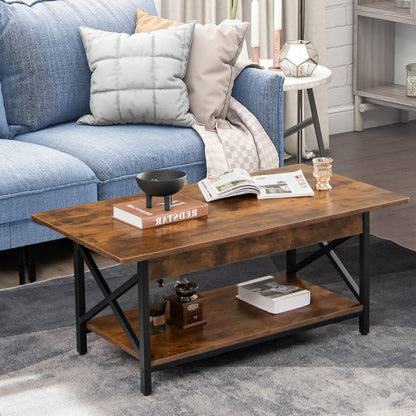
(391, 95)
(230, 323)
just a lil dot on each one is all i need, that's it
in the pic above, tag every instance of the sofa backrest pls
(44, 73)
(4, 128)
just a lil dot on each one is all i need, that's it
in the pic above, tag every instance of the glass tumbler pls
(157, 317)
(411, 80)
(322, 171)
(403, 4)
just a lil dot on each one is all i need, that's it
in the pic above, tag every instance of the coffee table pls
(236, 229)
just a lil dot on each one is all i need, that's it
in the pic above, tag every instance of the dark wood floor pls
(383, 156)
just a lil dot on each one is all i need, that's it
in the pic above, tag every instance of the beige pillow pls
(210, 75)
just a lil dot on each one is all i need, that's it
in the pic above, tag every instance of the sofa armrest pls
(261, 92)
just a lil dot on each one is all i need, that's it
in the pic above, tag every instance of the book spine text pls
(172, 217)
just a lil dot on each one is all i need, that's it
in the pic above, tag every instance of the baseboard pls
(341, 119)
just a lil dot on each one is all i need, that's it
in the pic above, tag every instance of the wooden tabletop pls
(228, 220)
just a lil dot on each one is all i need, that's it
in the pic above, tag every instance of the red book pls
(135, 212)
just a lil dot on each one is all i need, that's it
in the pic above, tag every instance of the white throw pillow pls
(138, 78)
(211, 69)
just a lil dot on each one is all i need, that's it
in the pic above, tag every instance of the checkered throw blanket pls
(238, 141)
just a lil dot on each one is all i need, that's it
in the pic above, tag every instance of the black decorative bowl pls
(161, 182)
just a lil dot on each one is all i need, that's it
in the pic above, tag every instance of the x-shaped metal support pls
(361, 290)
(140, 344)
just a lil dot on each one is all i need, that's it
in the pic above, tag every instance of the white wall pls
(405, 51)
(339, 40)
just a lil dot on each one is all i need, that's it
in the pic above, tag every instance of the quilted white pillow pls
(138, 78)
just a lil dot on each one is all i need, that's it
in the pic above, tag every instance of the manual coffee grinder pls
(186, 306)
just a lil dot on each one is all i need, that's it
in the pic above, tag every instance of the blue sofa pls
(47, 160)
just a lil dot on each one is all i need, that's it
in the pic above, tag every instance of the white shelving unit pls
(374, 57)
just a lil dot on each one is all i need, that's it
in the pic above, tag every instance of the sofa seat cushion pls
(5, 236)
(35, 178)
(117, 153)
(27, 232)
(43, 69)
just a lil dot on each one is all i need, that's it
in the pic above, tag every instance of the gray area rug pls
(332, 370)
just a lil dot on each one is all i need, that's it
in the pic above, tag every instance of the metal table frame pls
(141, 343)
(321, 76)
(302, 124)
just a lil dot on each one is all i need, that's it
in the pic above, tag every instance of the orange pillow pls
(148, 23)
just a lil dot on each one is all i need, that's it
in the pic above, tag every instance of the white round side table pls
(320, 76)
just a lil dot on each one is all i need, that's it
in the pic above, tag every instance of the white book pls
(273, 295)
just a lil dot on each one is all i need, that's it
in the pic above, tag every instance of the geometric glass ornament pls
(298, 58)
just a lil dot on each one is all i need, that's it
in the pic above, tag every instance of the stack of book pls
(273, 295)
(137, 214)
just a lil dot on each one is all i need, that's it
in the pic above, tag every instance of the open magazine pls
(238, 182)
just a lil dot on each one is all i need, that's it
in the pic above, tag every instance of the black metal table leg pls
(144, 328)
(302, 124)
(316, 123)
(291, 261)
(300, 131)
(81, 327)
(141, 345)
(364, 323)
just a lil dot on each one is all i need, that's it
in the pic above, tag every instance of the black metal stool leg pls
(316, 124)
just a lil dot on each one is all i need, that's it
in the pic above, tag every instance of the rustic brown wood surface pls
(247, 248)
(229, 322)
(230, 220)
(236, 228)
